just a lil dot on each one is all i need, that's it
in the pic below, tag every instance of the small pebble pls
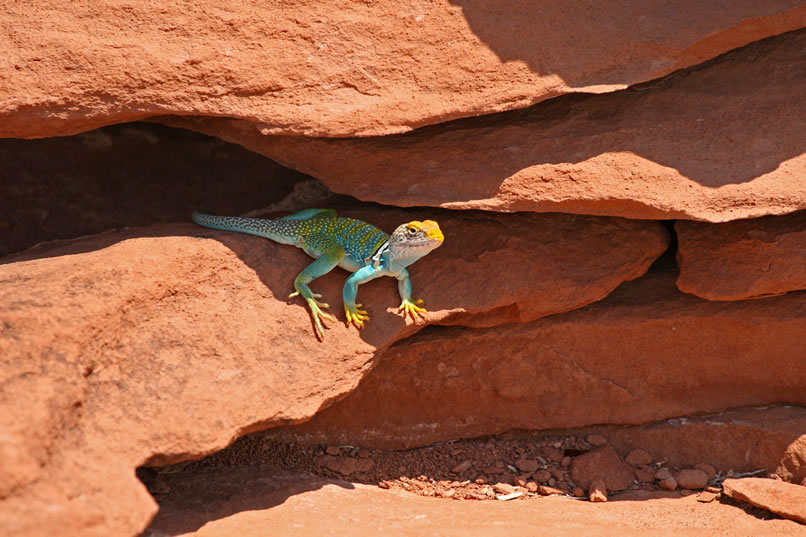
(705, 496)
(638, 457)
(333, 450)
(596, 440)
(668, 483)
(527, 465)
(503, 488)
(531, 486)
(644, 476)
(548, 491)
(597, 492)
(708, 469)
(542, 476)
(510, 496)
(662, 474)
(566, 461)
(461, 467)
(579, 492)
(691, 478)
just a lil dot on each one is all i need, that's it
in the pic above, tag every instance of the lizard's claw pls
(412, 308)
(355, 315)
(316, 308)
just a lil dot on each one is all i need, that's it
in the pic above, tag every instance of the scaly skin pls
(351, 244)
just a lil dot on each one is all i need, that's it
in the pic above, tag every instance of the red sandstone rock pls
(601, 464)
(669, 483)
(174, 303)
(367, 68)
(456, 381)
(717, 143)
(781, 498)
(596, 440)
(542, 476)
(644, 475)
(527, 465)
(709, 470)
(151, 346)
(706, 496)
(597, 492)
(545, 490)
(743, 259)
(638, 457)
(663, 473)
(346, 466)
(691, 478)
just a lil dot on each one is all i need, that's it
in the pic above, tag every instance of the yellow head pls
(409, 242)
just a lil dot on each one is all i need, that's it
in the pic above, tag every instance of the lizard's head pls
(409, 242)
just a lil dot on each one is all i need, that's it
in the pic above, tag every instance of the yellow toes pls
(411, 308)
(355, 315)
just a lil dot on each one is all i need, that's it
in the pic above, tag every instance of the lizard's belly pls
(348, 263)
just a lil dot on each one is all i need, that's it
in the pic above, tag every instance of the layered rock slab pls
(364, 69)
(715, 143)
(781, 498)
(645, 353)
(743, 259)
(122, 348)
(162, 344)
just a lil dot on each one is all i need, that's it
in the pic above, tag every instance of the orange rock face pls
(743, 259)
(122, 348)
(342, 68)
(158, 345)
(716, 143)
(646, 352)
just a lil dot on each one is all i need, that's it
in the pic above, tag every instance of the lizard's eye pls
(411, 230)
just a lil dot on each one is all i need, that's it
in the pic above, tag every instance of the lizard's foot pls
(355, 315)
(411, 308)
(316, 308)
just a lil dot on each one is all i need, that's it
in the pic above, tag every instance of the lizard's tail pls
(282, 231)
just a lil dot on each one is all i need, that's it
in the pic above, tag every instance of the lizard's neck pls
(405, 255)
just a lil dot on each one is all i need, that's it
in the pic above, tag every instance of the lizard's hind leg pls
(331, 257)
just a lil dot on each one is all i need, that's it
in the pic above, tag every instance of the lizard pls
(349, 243)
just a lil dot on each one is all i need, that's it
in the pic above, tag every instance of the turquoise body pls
(333, 241)
(317, 231)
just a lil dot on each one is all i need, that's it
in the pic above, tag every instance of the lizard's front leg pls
(355, 315)
(324, 264)
(404, 289)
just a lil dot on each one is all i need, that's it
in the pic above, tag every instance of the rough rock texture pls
(120, 347)
(781, 498)
(249, 499)
(602, 464)
(343, 68)
(742, 259)
(647, 352)
(716, 143)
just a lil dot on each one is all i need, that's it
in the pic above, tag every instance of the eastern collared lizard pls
(348, 243)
